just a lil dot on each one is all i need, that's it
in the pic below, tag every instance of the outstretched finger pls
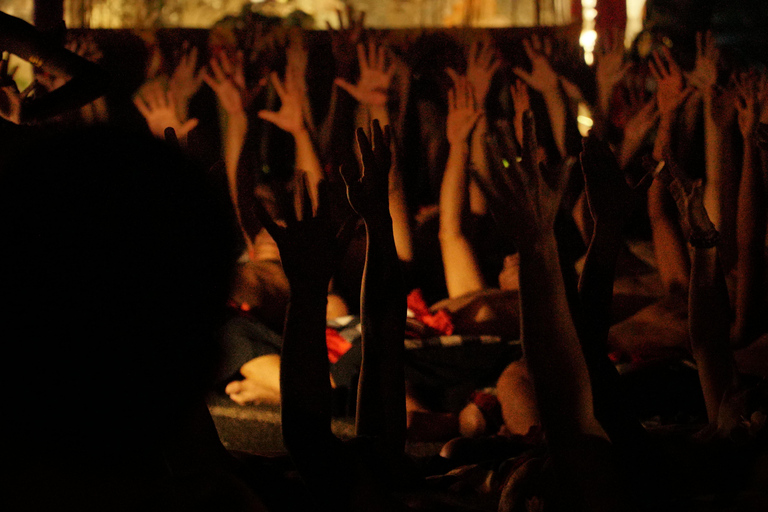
(350, 88)
(453, 74)
(361, 58)
(278, 85)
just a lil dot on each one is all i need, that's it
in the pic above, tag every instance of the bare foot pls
(261, 384)
(248, 391)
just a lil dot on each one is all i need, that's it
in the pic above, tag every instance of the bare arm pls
(462, 270)
(482, 65)
(381, 390)
(309, 250)
(751, 221)
(544, 80)
(372, 89)
(230, 89)
(291, 118)
(610, 199)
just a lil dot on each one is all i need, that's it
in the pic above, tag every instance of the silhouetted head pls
(113, 274)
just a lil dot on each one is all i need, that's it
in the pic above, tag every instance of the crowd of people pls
(371, 190)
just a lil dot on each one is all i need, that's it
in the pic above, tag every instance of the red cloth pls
(439, 321)
(337, 345)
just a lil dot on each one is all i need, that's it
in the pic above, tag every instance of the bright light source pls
(588, 38)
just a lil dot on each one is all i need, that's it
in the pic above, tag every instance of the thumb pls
(188, 127)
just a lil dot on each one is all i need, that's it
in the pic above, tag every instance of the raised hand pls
(524, 195)
(158, 108)
(347, 37)
(669, 80)
(310, 244)
(747, 104)
(610, 67)
(704, 74)
(290, 117)
(482, 65)
(297, 58)
(228, 82)
(368, 190)
(372, 88)
(521, 101)
(542, 76)
(463, 111)
(186, 79)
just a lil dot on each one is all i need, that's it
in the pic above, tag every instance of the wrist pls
(237, 119)
(301, 133)
(459, 146)
(379, 112)
(538, 243)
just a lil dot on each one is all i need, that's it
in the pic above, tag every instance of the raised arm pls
(158, 108)
(550, 342)
(227, 80)
(610, 69)
(543, 79)
(610, 200)
(291, 118)
(708, 305)
(750, 300)
(185, 80)
(721, 186)
(482, 65)
(309, 251)
(337, 132)
(372, 90)
(462, 270)
(578, 444)
(381, 390)
(669, 246)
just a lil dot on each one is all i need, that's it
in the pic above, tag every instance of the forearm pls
(381, 391)
(462, 274)
(721, 188)
(558, 114)
(596, 282)
(398, 210)
(551, 345)
(479, 161)
(236, 129)
(307, 161)
(709, 326)
(751, 229)
(338, 129)
(304, 371)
